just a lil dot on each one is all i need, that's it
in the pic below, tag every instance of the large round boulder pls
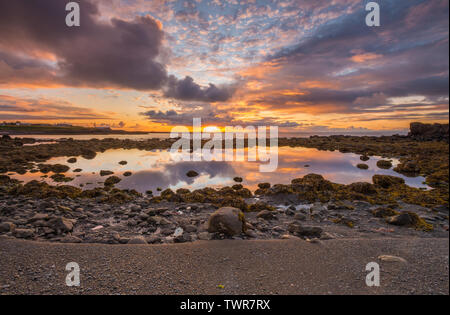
(227, 220)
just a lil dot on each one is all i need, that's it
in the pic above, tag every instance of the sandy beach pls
(241, 267)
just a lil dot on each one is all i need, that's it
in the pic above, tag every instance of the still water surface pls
(158, 168)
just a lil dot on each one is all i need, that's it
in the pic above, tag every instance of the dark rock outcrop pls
(428, 132)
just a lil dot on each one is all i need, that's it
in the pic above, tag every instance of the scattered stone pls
(384, 164)
(123, 162)
(362, 166)
(238, 179)
(300, 217)
(387, 181)
(384, 212)
(205, 236)
(126, 174)
(178, 232)
(72, 160)
(390, 258)
(251, 233)
(105, 173)
(23, 233)
(61, 224)
(185, 237)
(6, 227)
(264, 185)
(137, 240)
(237, 187)
(304, 231)
(192, 173)
(266, 214)
(327, 236)
(71, 239)
(111, 181)
(362, 188)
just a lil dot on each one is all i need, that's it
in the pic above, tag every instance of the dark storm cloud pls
(115, 53)
(187, 89)
(120, 53)
(407, 55)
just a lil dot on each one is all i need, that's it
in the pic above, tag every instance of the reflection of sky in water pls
(158, 168)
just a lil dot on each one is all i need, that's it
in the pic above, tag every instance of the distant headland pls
(18, 128)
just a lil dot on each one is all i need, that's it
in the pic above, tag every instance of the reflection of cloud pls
(153, 169)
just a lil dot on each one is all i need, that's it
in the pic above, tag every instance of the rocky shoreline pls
(278, 216)
(310, 208)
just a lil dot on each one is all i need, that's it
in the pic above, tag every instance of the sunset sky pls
(303, 65)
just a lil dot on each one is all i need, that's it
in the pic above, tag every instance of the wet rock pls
(205, 236)
(304, 231)
(317, 208)
(403, 219)
(137, 240)
(63, 208)
(408, 167)
(190, 228)
(362, 188)
(310, 186)
(237, 186)
(185, 237)
(23, 233)
(123, 162)
(327, 236)
(71, 239)
(267, 215)
(6, 227)
(105, 173)
(192, 173)
(111, 181)
(72, 160)
(387, 181)
(55, 168)
(38, 217)
(238, 179)
(290, 212)
(345, 221)
(384, 164)
(384, 212)
(61, 178)
(362, 166)
(251, 234)
(227, 220)
(441, 209)
(182, 191)
(61, 224)
(259, 206)
(264, 185)
(126, 174)
(364, 158)
(300, 217)
(420, 131)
